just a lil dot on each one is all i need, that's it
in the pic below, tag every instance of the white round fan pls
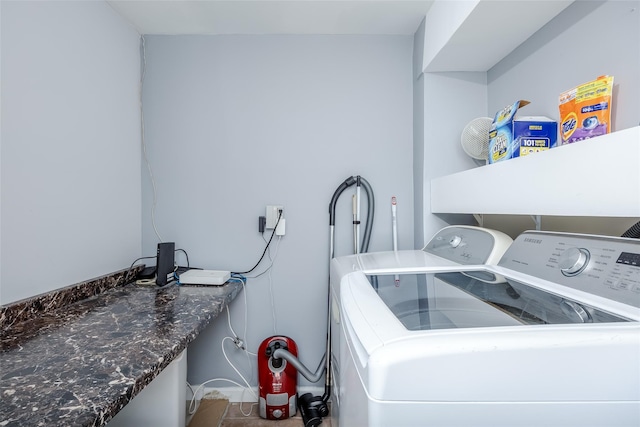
(475, 138)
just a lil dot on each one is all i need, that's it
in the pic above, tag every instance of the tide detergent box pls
(512, 137)
(585, 110)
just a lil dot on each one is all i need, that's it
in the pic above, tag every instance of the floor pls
(222, 413)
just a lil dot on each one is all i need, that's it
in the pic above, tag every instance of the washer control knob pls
(455, 241)
(277, 413)
(573, 261)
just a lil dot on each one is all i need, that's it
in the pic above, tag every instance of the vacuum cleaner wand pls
(282, 353)
(360, 181)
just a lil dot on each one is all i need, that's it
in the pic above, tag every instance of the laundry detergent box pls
(512, 137)
(534, 134)
(585, 110)
(501, 141)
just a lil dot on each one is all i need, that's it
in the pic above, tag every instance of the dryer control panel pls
(605, 266)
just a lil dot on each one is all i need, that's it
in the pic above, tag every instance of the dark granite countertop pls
(80, 363)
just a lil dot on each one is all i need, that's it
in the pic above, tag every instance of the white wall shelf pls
(599, 177)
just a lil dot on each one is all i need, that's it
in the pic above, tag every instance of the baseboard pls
(240, 394)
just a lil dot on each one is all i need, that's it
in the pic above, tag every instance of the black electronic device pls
(165, 263)
(147, 273)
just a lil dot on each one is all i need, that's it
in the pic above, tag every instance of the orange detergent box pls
(585, 111)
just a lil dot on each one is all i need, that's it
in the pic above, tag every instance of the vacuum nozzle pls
(312, 408)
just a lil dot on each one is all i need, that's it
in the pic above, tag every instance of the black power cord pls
(265, 248)
(185, 254)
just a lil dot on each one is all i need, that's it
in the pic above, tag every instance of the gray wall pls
(587, 40)
(418, 138)
(444, 103)
(70, 154)
(451, 100)
(234, 123)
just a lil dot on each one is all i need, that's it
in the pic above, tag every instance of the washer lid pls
(392, 261)
(447, 336)
(472, 299)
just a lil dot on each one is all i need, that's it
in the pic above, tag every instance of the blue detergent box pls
(533, 134)
(512, 137)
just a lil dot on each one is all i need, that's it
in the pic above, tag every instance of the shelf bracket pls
(537, 219)
(479, 218)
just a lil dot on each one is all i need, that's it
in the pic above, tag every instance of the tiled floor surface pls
(220, 413)
(234, 418)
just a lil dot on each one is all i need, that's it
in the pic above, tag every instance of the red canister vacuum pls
(277, 379)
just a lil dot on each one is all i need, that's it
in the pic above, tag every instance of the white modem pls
(204, 277)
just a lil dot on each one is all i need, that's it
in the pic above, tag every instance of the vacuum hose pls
(370, 211)
(312, 408)
(281, 353)
(360, 181)
(370, 207)
(334, 199)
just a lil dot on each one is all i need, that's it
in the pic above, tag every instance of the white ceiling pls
(273, 17)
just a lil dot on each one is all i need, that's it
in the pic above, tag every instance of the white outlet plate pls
(272, 216)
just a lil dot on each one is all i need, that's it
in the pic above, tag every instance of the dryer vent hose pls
(633, 231)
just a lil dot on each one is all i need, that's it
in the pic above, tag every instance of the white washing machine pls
(548, 337)
(450, 247)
